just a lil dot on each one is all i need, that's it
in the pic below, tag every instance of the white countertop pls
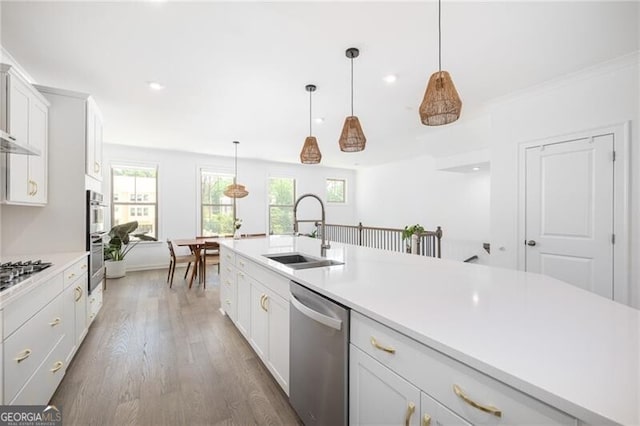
(572, 349)
(60, 261)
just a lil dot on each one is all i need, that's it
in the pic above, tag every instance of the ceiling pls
(237, 70)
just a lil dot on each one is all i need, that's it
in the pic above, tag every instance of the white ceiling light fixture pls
(441, 103)
(154, 85)
(319, 120)
(391, 78)
(235, 190)
(475, 169)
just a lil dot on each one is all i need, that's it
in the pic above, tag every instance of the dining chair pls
(175, 259)
(210, 256)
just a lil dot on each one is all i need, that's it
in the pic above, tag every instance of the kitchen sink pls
(301, 261)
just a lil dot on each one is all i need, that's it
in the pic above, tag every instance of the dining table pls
(196, 245)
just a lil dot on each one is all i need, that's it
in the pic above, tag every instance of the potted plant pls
(119, 244)
(409, 231)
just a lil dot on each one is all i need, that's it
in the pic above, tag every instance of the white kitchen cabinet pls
(26, 117)
(259, 310)
(469, 394)
(259, 320)
(243, 286)
(75, 306)
(433, 413)
(94, 141)
(378, 396)
(94, 303)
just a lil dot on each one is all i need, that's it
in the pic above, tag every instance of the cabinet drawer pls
(227, 256)
(437, 375)
(75, 271)
(94, 303)
(41, 386)
(16, 313)
(274, 282)
(30, 344)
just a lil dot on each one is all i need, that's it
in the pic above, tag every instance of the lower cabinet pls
(388, 368)
(94, 303)
(75, 308)
(255, 302)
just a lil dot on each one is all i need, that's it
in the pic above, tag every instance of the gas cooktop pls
(12, 273)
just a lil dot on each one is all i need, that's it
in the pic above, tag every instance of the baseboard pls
(148, 267)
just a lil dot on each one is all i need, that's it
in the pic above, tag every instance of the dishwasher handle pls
(316, 316)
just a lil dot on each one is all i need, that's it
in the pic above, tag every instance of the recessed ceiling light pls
(391, 78)
(154, 85)
(475, 169)
(319, 120)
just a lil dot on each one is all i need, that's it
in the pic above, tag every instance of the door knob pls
(531, 243)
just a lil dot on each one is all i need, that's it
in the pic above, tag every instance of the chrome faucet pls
(325, 245)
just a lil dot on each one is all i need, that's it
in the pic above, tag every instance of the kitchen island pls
(570, 349)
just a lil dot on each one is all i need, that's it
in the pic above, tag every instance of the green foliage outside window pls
(282, 194)
(336, 190)
(217, 208)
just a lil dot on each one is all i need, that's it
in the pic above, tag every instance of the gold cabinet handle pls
(91, 316)
(241, 274)
(242, 263)
(486, 408)
(79, 292)
(55, 322)
(23, 355)
(71, 275)
(57, 366)
(263, 302)
(228, 269)
(84, 266)
(229, 283)
(35, 191)
(93, 299)
(228, 303)
(411, 408)
(387, 349)
(426, 420)
(32, 186)
(96, 166)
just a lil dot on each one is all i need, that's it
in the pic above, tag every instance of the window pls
(139, 186)
(282, 196)
(216, 212)
(336, 189)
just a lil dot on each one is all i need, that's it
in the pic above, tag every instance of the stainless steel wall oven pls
(95, 237)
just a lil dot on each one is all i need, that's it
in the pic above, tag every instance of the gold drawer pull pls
(79, 292)
(71, 275)
(96, 166)
(228, 269)
(93, 299)
(84, 266)
(426, 420)
(241, 274)
(377, 345)
(411, 408)
(228, 303)
(486, 408)
(91, 316)
(263, 302)
(23, 355)
(228, 282)
(57, 366)
(55, 322)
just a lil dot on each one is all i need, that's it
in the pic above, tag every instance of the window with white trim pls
(216, 209)
(134, 196)
(336, 191)
(282, 196)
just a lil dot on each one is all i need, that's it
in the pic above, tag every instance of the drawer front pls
(227, 256)
(42, 385)
(274, 282)
(16, 313)
(434, 413)
(75, 271)
(437, 374)
(30, 344)
(94, 303)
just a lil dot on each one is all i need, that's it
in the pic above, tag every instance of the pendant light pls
(441, 103)
(234, 190)
(310, 153)
(352, 138)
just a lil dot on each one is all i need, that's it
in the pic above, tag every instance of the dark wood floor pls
(160, 356)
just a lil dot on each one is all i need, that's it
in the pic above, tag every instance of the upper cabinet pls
(94, 141)
(25, 116)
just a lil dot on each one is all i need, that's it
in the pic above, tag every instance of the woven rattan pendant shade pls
(310, 153)
(352, 138)
(441, 103)
(236, 190)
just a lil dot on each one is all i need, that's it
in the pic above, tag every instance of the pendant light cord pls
(352, 86)
(235, 175)
(310, 115)
(439, 38)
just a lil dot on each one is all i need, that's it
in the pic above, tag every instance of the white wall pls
(413, 191)
(178, 193)
(598, 97)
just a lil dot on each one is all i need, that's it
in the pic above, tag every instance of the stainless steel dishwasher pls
(319, 358)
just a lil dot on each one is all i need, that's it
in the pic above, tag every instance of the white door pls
(569, 212)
